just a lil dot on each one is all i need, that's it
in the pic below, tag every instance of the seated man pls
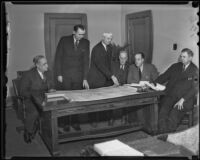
(120, 71)
(34, 84)
(182, 86)
(140, 71)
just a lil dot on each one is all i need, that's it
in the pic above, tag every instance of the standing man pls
(140, 71)
(100, 74)
(120, 71)
(72, 64)
(181, 89)
(33, 85)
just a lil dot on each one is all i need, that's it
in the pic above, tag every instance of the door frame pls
(47, 19)
(146, 13)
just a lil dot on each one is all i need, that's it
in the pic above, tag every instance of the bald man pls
(100, 74)
(120, 70)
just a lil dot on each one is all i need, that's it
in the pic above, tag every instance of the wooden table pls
(53, 110)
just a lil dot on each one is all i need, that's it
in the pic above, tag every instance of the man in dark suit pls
(120, 71)
(71, 66)
(140, 71)
(181, 89)
(120, 68)
(34, 84)
(100, 74)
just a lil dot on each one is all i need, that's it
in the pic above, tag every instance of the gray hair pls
(37, 58)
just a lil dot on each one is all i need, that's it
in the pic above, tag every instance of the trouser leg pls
(166, 106)
(177, 115)
(32, 116)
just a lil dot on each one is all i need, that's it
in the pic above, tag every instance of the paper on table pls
(116, 148)
(57, 96)
(140, 84)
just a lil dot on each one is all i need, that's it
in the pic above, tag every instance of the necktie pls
(184, 67)
(140, 73)
(44, 77)
(122, 67)
(76, 44)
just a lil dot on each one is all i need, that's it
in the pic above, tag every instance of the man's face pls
(185, 58)
(107, 40)
(139, 60)
(123, 58)
(79, 34)
(42, 65)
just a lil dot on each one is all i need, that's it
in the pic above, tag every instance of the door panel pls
(58, 25)
(139, 34)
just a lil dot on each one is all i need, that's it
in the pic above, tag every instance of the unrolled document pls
(116, 148)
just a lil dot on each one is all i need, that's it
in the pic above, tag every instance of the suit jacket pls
(149, 73)
(32, 84)
(121, 74)
(100, 67)
(180, 84)
(70, 62)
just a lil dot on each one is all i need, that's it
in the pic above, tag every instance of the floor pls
(15, 145)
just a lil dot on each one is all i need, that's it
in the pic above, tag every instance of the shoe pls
(76, 127)
(66, 128)
(61, 130)
(163, 137)
(27, 137)
(124, 120)
(94, 124)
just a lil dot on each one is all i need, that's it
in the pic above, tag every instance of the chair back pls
(16, 86)
(20, 106)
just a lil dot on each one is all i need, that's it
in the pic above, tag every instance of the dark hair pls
(76, 27)
(123, 51)
(141, 53)
(37, 58)
(189, 52)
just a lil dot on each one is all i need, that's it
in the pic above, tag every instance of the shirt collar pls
(40, 73)
(104, 46)
(186, 66)
(141, 67)
(75, 39)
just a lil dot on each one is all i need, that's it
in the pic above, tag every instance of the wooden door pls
(57, 25)
(139, 34)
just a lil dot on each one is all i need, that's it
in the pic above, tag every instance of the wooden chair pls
(20, 106)
(188, 118)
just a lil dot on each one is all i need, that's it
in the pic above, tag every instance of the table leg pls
(49, 132)
(154, 118)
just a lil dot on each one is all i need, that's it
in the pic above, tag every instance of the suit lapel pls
(37, 75)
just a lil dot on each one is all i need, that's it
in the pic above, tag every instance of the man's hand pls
(60, 79)
(179, 104)
(85, 84)
(115, 81)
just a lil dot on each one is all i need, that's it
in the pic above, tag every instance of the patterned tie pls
(140, 73)
(76, 44)
(184, 67)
